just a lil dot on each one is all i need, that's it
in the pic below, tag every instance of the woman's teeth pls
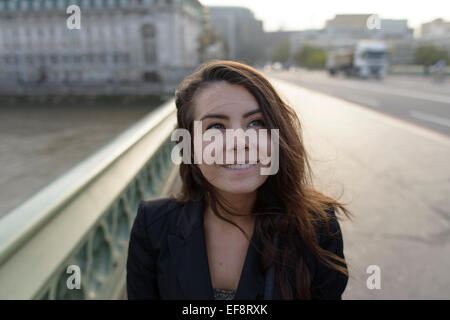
(239, 166)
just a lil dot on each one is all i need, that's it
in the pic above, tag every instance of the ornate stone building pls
(120, 41)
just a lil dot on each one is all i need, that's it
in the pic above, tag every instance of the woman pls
(234, 233)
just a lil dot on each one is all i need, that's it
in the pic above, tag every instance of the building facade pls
(436, 33)
(435, 29)
(120, 41)
(345, 30)
(242, 34)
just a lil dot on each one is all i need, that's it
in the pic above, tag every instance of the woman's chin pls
(240, 187)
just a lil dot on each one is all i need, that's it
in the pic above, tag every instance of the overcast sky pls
(299, 14)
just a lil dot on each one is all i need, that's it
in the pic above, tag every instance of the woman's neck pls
(242, 204)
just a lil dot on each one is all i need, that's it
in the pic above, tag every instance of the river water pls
(40, 142)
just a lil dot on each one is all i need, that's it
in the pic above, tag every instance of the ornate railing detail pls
(88, 226)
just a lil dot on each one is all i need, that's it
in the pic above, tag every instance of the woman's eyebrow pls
(222, 116)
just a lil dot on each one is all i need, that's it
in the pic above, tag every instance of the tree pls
(311, 57)
(429, 54)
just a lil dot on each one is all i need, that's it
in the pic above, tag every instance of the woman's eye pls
(257, 123)
(215, 126)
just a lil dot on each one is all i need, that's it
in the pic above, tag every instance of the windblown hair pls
(303, 208)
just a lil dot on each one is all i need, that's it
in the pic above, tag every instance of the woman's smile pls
(240, 168)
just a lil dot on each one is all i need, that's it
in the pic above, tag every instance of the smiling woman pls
(229, 106)
(233, 229)
(255, 148)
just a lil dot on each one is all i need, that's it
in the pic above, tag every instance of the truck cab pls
(370, 59)
(364, 59)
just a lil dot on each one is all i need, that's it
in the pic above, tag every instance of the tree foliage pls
(311, 57)
(430, 54)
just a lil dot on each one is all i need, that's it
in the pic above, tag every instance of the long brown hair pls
(302, 207)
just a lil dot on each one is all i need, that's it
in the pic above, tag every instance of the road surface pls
(416, 100)
(395, 178)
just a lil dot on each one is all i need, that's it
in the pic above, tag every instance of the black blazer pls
(167, 258)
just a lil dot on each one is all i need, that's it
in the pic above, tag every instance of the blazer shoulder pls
(329, 230)
(329, 283)
(152, 211)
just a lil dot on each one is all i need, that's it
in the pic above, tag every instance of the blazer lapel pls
(251, 283)
(187, 248)
(188, 251)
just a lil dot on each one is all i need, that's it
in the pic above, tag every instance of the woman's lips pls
(240, 168)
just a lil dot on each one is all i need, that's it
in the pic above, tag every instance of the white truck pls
(364, 59)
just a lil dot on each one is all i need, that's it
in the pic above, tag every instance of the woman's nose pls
(237, 141)
(237, 147)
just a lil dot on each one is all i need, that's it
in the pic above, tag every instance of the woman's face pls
(222, 106)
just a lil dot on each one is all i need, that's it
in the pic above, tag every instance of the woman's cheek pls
(213, 147)
(209, 171)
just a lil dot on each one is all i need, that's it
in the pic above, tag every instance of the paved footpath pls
(396, 178)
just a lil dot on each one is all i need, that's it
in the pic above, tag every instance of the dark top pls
(222, 294)
(167, 258)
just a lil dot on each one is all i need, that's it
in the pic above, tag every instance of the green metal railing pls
(84, 218)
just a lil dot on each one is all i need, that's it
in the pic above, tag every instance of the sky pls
(299, 14)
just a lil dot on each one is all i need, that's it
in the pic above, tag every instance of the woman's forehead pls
(223, 98)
